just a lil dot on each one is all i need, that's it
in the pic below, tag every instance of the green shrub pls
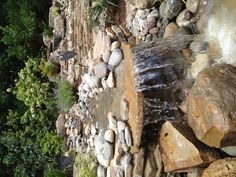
(48, 31)
(29, 142)
(65, 95)
(86, 165)
(101, 12)
(49, 69)
(51, 171)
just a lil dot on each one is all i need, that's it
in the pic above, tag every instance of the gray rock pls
(110, 80)
(141, 14)
(99, 142)
(115, 58)
(170, 8)
(101, 70)
(136, 24)
(149, 23)
(122, 136)
(153, 13)
(115, 45)
(128, 137)
(108, 151)
(101, 171)
(112, 122)
(192, 5)
(125, 147)
(102, 161)
(109, 136)
(106, 55)
(121, 126)
(161, 33)
(124, 109)
(182, 20)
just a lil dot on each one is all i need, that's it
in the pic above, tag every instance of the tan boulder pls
(211, 106)
(221, 168)
(181, 150)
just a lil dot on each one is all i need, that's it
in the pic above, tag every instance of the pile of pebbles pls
(153, 23)
(112, 149)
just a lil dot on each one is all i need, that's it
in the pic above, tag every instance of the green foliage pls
(49, 69)
(86, 165)
(51, 171)
(101, 12)
(30, 137)
(18, 37)
(65, 95)
(51, 144)
(47, 31)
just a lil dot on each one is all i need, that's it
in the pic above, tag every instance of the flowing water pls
(159, 68)
(151, 77)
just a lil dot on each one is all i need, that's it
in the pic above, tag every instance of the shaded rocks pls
(170, 8)
(103, 149)
(210, 106)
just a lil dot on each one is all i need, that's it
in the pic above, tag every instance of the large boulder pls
(181, 150)
(211, 104)
(223, 167)
(170, 8)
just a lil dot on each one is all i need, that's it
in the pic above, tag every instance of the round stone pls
(109, 136)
